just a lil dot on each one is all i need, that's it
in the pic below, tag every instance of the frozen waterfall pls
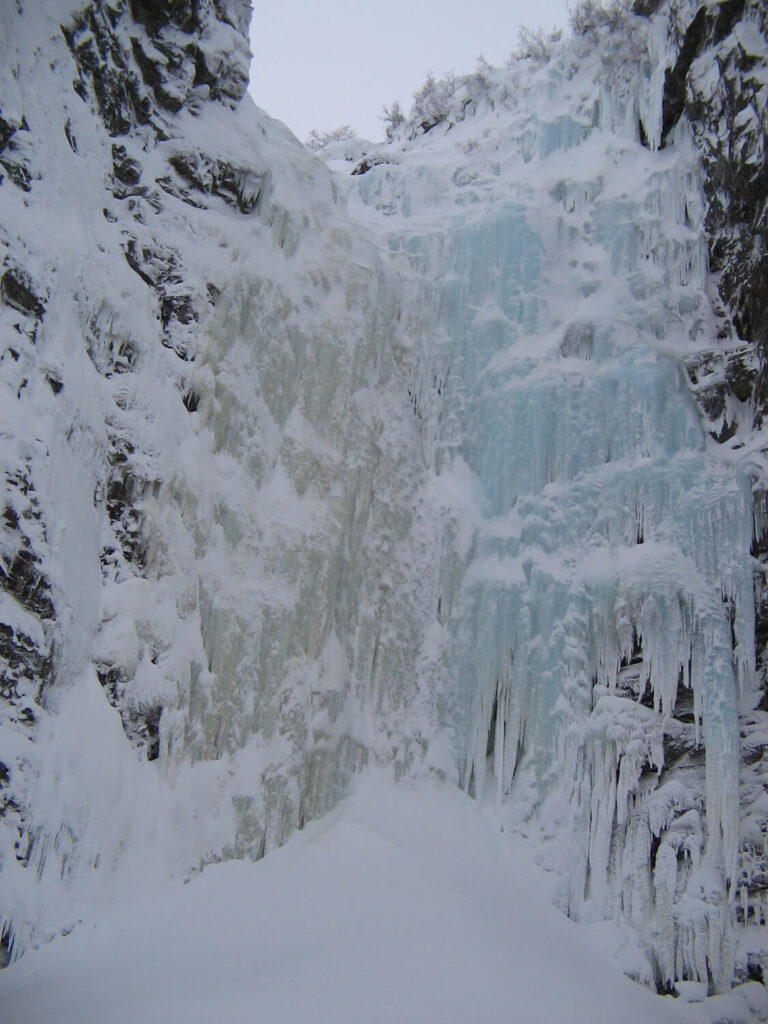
(600, 621)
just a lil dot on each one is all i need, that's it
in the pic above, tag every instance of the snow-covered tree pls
(393, 118)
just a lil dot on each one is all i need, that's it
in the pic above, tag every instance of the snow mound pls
(401, 905)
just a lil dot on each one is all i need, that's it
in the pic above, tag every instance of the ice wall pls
(600, 622)
(210, 618)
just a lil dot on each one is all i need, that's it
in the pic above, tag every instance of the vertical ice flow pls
(604, 622)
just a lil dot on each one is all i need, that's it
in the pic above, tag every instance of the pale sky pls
(325, 63)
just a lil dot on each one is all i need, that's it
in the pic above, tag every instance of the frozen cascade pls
(602, 620)
(209, 463)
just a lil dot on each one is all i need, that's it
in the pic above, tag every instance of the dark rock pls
(151, 731)
(708, 27)
(122, 491)
(674, 95)
(171, 187)
(20, 571)
(715, 376)
(578, 341)
(157, 265)
(150, 69)
(19, 173)
(6, 131)
(110, 355)
(10, 518)
(134, 263)
(645, 8)
(160, 74)
(70, 136)
(27, 584)
(712, 400)
(141, 725)
(158, 14)
(203, 74)
(16, 291)
(726, 432)
(728, 13)
(740, 376)
(177, 307)
(9, 128)
(752, 753)
(736, 185)
(191, 400)
(125, 168)
(15, 152)
(25, 671)
(759, 550)
(6, 947)
(20, 653)
(369, 162)
(148, 84)
(240, 187)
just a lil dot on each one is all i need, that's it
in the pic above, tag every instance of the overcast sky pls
(325, 63)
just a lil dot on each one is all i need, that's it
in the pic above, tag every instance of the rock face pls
(461, 473)
(142, 62)
(718, 83)
(207, 460)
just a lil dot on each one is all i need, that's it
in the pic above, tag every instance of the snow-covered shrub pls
(319, 140)
(432, 102)
(535, 44)
(394, 119)
(590, 15)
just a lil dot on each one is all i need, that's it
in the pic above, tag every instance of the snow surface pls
(401, 905)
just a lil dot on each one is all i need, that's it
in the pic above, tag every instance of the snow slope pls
(401, 905)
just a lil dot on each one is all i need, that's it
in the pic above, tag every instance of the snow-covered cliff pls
(209, 459)
(453, 462)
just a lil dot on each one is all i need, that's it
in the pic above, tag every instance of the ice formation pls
(450, 463)
(206, 544)
(602, 620)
